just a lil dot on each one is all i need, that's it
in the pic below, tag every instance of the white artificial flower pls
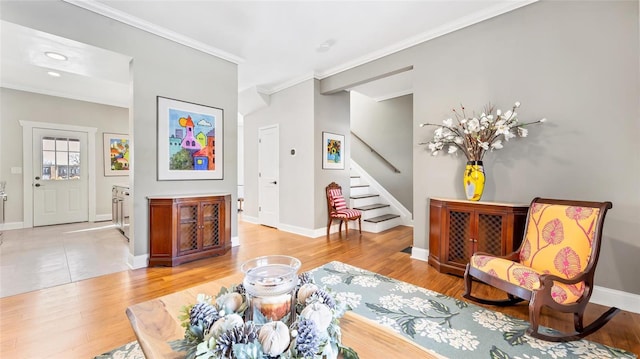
(458, 140)
(452, 149)
(499, 112)
(474, 125)
(438, 132)
(497, 145)
(523, 132)
(484, 145)
(434, 153)
(543, 120)
(508, 135)
(448, 122)
(517, 104)
(432, 146)
(463, 121)
(508, 114)
(490, 117)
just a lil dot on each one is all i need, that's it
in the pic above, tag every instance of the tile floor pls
(42, 257)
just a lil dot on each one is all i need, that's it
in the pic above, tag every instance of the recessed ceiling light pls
(56, 56)
(53, 73)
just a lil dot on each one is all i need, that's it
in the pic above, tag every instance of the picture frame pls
(190, 141)
(333, 149)
(116, 154)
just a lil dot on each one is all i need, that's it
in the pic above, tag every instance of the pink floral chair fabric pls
(337, 209)
(554, 265)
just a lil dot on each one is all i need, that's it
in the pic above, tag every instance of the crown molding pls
(138, 23)
(289, 83)
(461, 23)
(430, 35)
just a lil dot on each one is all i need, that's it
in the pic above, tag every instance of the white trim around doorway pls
(27, 168)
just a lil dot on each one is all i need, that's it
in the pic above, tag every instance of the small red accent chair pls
(554, 266)
(337, 209)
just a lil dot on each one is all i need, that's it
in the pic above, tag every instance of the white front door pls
(60, 177)
(268, 173)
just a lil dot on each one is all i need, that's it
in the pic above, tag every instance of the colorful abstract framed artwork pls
(190, 141)
(116, 154)
(332, 151)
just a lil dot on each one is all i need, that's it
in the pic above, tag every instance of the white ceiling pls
(276, 44)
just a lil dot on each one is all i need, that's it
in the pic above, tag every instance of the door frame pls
(27, 167)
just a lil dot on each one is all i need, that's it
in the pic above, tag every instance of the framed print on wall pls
(332, 151)
(116, 154)
(190, 141)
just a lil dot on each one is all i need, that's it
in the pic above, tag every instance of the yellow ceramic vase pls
(473, 180)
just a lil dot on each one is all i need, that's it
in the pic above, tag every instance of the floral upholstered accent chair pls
(337, 209)
(554, 266)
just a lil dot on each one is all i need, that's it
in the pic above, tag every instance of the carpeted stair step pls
(384, 217)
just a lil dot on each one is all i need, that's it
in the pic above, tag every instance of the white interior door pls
(268, 175)
(60, 177)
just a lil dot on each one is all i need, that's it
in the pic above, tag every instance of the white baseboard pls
(601, 295)
(103, 217)
(250, 219)
(617, 298)
(420, 254)
(298, 230)
(11, 225)
(136, 262)
(235, 241)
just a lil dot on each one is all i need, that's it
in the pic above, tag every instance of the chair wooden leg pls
(360, 224)
(328, 227)
(340, 228)
(580, 332)
(346, 227)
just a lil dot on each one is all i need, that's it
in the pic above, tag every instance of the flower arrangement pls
(475, 135)
(216, 328)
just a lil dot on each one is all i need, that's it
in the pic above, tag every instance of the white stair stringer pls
(380, 210)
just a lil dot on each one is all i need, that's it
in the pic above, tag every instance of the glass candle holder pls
(270, 283)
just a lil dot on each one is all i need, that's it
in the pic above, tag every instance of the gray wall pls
(302, 114)
(575, 63)
(387, 126)
(292, 110)
(331, 114)
(160, 68)
(18, 106)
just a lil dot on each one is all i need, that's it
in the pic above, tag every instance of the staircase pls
(377, 214)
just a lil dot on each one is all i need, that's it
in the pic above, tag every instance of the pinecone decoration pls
(204, 313)
(304, 278)
(325, 297)
(244, 334)
(307, 341)
(240, 289)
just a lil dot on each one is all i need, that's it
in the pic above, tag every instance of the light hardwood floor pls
(86, 318)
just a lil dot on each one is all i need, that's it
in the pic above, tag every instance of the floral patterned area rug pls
(452, 328)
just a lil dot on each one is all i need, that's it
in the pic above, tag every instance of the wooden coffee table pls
(155, 323)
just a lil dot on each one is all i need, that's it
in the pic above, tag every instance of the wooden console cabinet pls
(457, 229)
(187, 228)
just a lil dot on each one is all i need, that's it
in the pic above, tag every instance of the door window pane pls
(48, 144)
(60, 158)
(48, 158)
(74, 145)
